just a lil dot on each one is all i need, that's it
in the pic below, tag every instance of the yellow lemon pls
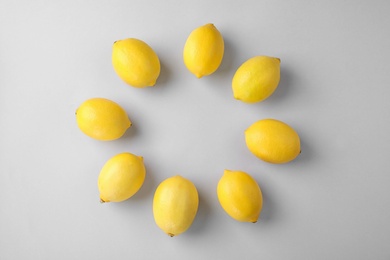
(121, 177)
(102, 119)
(256, 79)
(240, 196)
(175, 204)
(203, 50)
(135, 62)
(273, 141)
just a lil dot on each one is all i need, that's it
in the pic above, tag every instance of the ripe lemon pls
(273, 141)
(102, 119)
(135, 62)
(240, 196)
(175, 204)
(203, 50)
(121, 177)
(256, 79)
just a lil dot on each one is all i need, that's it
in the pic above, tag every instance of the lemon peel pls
(135, 62)
(203, 50)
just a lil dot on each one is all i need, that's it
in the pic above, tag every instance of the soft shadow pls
(165, 75)
(131, 132)
(227, 64)
(308, 153)
(147, 189)
(202, 215)
(284, 89)
(269, 209)
(220, 80)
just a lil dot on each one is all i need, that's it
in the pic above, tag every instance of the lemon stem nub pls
(254, 222)
(102, 201)
(171, 235)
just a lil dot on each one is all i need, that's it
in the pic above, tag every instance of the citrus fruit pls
(175, 204)
(102, 119)
(135, 62)
(240, 196)
(121, 177)
(203, 50)
(256, 79)
(273, 141)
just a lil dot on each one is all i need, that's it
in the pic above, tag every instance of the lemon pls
(121, 177)
(175, 204)
(135, 62)
(273, 141)
(256, 79)
(240, 196)
(203, 50)
(102, 119)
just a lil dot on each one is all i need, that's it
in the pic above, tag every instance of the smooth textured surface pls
(332, 202)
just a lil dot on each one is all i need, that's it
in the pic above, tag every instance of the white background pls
(332, 202)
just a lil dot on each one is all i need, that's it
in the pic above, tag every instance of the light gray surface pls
(331, 203)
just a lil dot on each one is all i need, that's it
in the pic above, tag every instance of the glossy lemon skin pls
(203, 50)
(240, 196)
(135, 62)
(121, 177)
(102, 119)
(175, 205)
(256, 79)
(273, 141)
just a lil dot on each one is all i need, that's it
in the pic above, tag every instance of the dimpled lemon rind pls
(273, 141)
(203, 50)
(135, 62)
(256, 79)
(175, 205)
(240, 196)
(102, 119)
(121, 177)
